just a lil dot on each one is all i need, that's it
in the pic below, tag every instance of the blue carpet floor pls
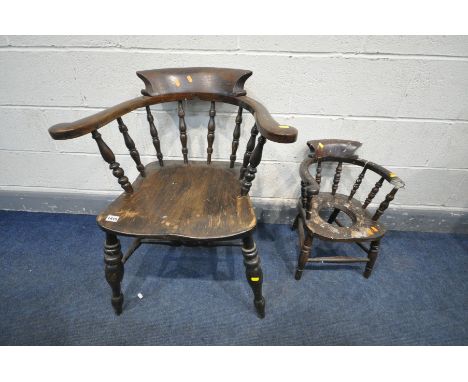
(53, 292)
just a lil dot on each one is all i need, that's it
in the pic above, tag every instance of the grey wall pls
(405, 98)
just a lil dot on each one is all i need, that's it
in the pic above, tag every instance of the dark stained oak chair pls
(364, 226)
(183, 202)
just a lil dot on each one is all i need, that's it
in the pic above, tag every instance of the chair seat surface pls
(362, 227)
(196, 201)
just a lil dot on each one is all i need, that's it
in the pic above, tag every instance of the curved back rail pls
(310, 185)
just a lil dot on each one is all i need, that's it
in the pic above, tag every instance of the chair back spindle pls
(384, 205)
(373, 192)
(131, 146)
(109, 157)
(303, 194)
(318, 173)
(254, 161)
(235, 137)
(154, 136)
(183, 131)
(357, 183)
(211, 132)
(308, 204)
(337, 177)
(248, 151)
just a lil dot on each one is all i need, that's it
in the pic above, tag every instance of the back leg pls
(333, 216)
(295, 223)
(372, 256)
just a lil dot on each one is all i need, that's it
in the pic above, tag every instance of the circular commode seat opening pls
(345, 217)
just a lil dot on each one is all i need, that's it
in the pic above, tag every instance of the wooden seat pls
(362, 228)
(313, 203)
(178, 201)
(184, 202)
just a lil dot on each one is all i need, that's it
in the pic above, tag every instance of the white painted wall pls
(404, 97)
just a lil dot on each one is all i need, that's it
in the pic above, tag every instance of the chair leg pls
(114, 270)
(372, 256)
(254, 273)
(295, 223)
(333, 216)
(304, 255)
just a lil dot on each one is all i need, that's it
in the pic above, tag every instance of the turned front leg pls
(114, 270)
(303, 255)
(254, 273)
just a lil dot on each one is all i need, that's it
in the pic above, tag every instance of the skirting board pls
(268, 211)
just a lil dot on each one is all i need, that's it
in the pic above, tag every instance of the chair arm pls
(93, 122)
(312, 187)
(267, 126)
(388, 175)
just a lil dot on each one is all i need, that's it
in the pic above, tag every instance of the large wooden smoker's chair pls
(365, 227)
(183, 202)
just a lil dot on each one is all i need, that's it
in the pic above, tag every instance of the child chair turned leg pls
(304, 255)
(372, 256)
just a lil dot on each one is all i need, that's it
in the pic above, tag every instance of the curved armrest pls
(88, 124)
(267, 126)
(312, 187)
(389, 176)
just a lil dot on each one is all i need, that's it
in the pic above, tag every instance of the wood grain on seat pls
(187, 201)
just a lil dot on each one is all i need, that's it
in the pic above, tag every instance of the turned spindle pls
(309, 195)
(211, 132)
(303, 194)
(131, 146)
(384, 205)
(357, 183)
(337, 177)
(373, 192)
(235, 137)
(109, 157)
(248, 151)
(154, 136)
(183, 131)
(255, 159)
(318, 173)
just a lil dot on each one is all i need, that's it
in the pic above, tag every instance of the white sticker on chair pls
(112, 218)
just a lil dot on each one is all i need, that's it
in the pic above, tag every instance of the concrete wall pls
(404, 97)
